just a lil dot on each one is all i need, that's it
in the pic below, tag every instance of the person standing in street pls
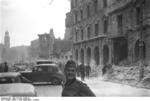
(72, 86)
(88, 70)
(82, 71)
(5, 67)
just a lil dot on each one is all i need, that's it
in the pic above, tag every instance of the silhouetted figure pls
(5, 67)
(82, 71)
(78, 70)
(104, 69)
(1, 67)
(88, 70)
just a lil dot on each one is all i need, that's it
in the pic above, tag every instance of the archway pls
(96, 55)
(88, 55)
(82, 56)
(105, 54)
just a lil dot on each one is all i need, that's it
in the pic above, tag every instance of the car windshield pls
(46, 68)
(44, 62)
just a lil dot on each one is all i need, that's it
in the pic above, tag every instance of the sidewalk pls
(104, 88)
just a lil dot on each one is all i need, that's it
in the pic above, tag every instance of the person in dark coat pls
(78, 70)
(82, 71)
(72, 86)
(88, 70)
(1, 67)
(5, 67)
(104, 70)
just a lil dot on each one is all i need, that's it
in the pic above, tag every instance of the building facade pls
(46, 42)
(110, 31)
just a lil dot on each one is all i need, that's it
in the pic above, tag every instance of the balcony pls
(117, 6)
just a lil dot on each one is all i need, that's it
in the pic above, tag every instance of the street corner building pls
(109, 31)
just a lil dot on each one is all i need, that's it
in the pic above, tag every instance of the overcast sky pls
(25, 19)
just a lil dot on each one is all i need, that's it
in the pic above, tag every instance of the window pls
(95, 5)
(82, 33)
(75, 2)
(138, 15)
(105, 26)
(96, 29)
(89, 31)
(81, 12)
(76, 35)
(104, 3)
(76, 17)
(120, 23)
(72, 5)
(88, 10)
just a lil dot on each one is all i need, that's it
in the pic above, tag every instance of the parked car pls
(13, 77)
(17, 89)
(45, 74)
(44, 61)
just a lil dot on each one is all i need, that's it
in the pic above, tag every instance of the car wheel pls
(55, 81)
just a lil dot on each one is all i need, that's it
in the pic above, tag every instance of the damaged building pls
(109, 31)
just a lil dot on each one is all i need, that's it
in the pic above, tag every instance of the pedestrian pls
(5, 67)
(82, 71)
(1, 67)
(78, 70)
(104, 69)
(72, 86)
(88, 70)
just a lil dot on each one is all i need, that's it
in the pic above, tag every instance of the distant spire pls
(7, 40)
(52, 33)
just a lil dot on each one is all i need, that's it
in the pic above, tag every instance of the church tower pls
(7, 40)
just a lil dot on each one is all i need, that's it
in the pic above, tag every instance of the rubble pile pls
(124, 75)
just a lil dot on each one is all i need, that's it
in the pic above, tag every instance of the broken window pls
(76, 35)
(81, 12)
(138, 15)
(89, 31)
(105, 26)
(88, 10)
(96, 29)
(95, 5)
(82, 34)
(120, 23)
(104, 3)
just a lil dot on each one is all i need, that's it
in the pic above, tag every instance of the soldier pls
(88, 70)
(78, 70)
(5, 67)
(72, 86)
(82, 71)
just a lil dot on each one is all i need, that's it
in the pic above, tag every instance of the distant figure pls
(104, 70)
(5, 67)
(78, 70)
(1, 67)
(88, 70)
(72, 86)
(82, 71)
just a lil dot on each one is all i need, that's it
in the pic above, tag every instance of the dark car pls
(12, 77)
(17, 89)
(45, 74)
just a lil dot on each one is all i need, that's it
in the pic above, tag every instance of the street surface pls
(48, 91)
(99, 87)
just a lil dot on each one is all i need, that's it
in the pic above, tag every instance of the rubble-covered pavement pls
(129, 76)
(104, 88)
